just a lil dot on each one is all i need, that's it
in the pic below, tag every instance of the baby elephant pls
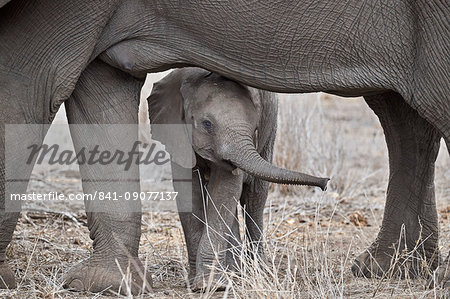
(226, 127)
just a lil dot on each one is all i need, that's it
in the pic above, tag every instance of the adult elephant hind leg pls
(432, 102)
(410, 219)
(106, 100)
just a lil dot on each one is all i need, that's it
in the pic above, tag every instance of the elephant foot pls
(378, 262)
(97, 275)
(371, 264)
(213, 279)
(191, 277)
(7, 280)
(202, 282)
(442, 276)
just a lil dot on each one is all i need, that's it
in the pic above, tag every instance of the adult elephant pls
(394, 53)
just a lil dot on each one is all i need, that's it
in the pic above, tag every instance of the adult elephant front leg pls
(16, 165)
(8, 222)
(20, 130)
(214, 249)
(413, 145)
(104, 107)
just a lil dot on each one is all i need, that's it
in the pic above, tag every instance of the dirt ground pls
(312, 237)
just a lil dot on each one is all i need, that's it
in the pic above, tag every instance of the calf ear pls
(256, 96)
(266, 104)
(165, 106)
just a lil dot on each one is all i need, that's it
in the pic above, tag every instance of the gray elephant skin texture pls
(93, 55)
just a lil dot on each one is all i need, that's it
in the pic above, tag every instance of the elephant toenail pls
(77, 285)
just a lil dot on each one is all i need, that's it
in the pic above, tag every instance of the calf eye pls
(207, 125)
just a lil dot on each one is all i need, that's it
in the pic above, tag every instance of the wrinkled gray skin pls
(394, 53)
(224, 126)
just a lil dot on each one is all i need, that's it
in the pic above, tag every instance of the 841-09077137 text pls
(97, 195)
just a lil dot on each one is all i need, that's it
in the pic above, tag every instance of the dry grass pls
(311, 237)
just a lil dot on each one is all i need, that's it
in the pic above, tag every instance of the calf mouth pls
(227, 165)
